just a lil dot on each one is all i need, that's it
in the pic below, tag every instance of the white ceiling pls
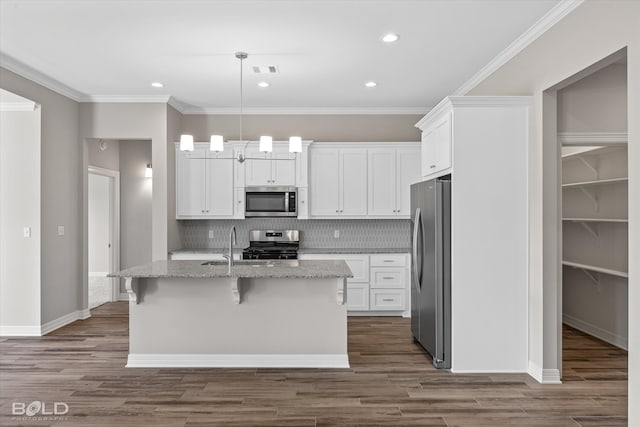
(325, 49)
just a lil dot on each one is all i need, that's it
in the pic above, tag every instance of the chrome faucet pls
(232, 241)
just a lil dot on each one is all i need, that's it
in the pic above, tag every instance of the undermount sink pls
(258, 262)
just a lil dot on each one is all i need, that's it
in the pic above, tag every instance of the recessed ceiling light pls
(263, 84)
(370, 84)
(390, 38)
(157, 84)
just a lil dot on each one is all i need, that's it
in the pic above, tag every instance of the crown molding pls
(178, 105)
(126, 98)
(23, 70)
(310, 111)
(552, 17)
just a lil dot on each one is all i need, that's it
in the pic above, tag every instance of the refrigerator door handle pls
(417, 255)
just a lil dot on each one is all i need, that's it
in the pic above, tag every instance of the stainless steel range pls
(272, 244)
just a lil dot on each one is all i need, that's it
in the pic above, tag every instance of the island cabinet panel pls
(204, 184)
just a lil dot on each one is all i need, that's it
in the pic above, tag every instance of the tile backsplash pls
(354, 233)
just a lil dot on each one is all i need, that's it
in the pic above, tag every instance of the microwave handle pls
(286, 201)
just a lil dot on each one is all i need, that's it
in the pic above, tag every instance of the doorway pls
(103, 234)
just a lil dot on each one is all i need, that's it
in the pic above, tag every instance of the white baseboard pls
(596, 331)
(238, 361)
(377, 313)
(65, 320)
(20, 331)
(544, 376)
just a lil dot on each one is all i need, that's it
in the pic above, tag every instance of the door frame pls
(114, 225)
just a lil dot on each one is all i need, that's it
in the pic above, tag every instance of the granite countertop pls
(303, 251)
(242, 269)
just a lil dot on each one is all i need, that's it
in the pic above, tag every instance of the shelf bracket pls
(591, 229)
(590, 166)
(342, 291)
(591, 197)
(595, 279)
(131, 284)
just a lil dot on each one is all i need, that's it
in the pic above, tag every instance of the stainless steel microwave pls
(270, 202)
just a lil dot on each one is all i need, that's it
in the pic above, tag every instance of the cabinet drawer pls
(358, 264)
(388, 278)
(389, 260)
(357, 297)
(387, 299)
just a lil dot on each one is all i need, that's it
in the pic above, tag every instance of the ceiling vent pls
(265, 69)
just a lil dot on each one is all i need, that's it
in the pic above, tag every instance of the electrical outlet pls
(336, 234)
(61, 230)
(26, 232)
(211, 234)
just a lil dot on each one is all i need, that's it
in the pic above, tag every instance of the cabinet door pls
(219, 187)
(191, 183)
(353, 182)
(283, 171)
(257, 170)
(428, 156)
(324, 189)
(407, 172)
(382, 182)
(357, 297)
(442, 147)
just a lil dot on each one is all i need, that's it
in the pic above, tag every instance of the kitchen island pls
(277, 314)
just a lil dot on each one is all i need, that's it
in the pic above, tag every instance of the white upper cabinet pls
(436, 145)
(391, 173)
(204, 185)
(275, 168)
(338, 182)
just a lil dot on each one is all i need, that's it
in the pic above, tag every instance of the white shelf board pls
(597, 269)
(596, 182)
(621, 220)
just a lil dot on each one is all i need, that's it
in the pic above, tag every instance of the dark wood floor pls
(391, 382)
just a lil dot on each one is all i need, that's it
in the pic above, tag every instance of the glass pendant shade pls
(295, 144)
(186, 142)
(266, 144)
(217, 143)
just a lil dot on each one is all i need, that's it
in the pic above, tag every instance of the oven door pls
(270, 202)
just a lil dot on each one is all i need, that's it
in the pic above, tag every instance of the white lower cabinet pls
(379, 285)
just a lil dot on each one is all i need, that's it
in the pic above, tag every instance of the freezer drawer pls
(387, 299)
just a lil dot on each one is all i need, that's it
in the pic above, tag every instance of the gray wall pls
(174, 124)
(19, 208)
(340, 128)
(135, 204)
(62, 290)
(596, 103)
(108, 158)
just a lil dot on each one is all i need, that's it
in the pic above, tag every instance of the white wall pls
(593, 31)
(99, 219)
(19, 208)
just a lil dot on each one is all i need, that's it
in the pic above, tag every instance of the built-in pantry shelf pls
(597, 269)
(595, 182)
(614, 220)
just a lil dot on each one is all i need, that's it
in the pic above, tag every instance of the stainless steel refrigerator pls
(431, 268)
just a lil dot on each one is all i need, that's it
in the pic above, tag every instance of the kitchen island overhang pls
(275, 314)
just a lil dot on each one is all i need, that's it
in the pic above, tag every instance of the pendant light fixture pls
(217, 141)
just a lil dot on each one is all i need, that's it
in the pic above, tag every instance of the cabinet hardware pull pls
(388, 278)
(432, 166)
(387, 299)
(388, 260)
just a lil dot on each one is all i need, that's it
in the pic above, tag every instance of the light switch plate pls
(61, 230)
(211, 234)
(26, 232)
(336, 234)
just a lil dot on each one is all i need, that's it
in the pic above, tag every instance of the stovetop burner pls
(272, 244)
